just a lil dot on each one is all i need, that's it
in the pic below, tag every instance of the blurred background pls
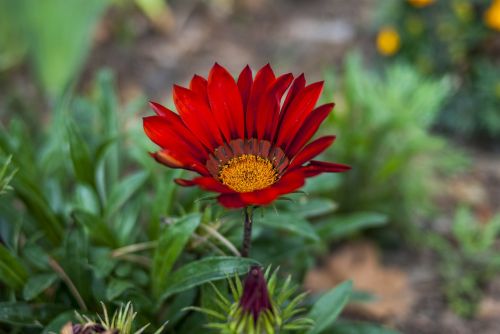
(415, 224)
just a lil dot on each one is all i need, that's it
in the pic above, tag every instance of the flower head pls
(421, 3)
(388, 41)
(247, 143)
(492, 16)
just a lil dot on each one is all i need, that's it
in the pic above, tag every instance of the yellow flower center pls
(247, 173)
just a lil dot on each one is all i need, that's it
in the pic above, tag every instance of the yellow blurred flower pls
(388, 41)
(421, 3)
(492, 16)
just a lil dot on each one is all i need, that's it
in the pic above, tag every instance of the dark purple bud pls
(255, 298)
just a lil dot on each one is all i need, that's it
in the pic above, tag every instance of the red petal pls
(287, 184)
(277, 91)
(299, 109)
(298, 84)
(311, 150)
(199, 85)
(173, 137)
(318, 167)
(245, 85)
(207, 183)
(263, 79)
(178, 160)
(163, 111)
(233, 201)
(309, 128)
(225, 101)
(197, 116)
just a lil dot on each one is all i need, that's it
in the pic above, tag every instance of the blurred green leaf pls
(117, 287)
(205, 270)
(12, 271)
(171, 243)
(122, 191)
(289, 222)
(327, 308)
(58, 50)
(37, 284)
(80, 156)
(341, 226)
(26, 314)
(98, 230)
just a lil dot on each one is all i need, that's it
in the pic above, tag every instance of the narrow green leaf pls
(205, 270)
(37, 284)
(122, 192)
(328, 307)
(170, 245)
(27, 314)
(116, 288)
(287, 222)
(98, 230)
(12, 271)
(340, 226)
(80, 156)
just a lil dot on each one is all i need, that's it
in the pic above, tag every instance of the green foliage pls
(285, 317)
(396, 159)
(6, 177)
(452, 37)
(468, 261)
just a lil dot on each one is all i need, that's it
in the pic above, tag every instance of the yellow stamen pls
(247, 173)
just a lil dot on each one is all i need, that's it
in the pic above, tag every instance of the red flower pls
(247, 145)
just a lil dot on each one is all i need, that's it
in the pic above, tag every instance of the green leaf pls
(37, 284)
(27, 314)
(12, 271)
(312, 207)
(98, 230)
(287, 222)
(80, 156)
(55, 325)
(171, 243)
(122, 192)
(341, 226)
(116, 288)
(32, 196)
(328, 307)
(205, 270)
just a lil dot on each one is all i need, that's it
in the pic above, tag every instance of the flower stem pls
(247, 232)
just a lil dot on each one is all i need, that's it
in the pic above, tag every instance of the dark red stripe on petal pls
(225, 101)
(197, 116)
(311, 151)
(263, 80)
(298, 84)
(299, 109)
(245, 85)
(309, 128)
(278, 89)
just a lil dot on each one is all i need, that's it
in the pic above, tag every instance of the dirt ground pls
(295, 35)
